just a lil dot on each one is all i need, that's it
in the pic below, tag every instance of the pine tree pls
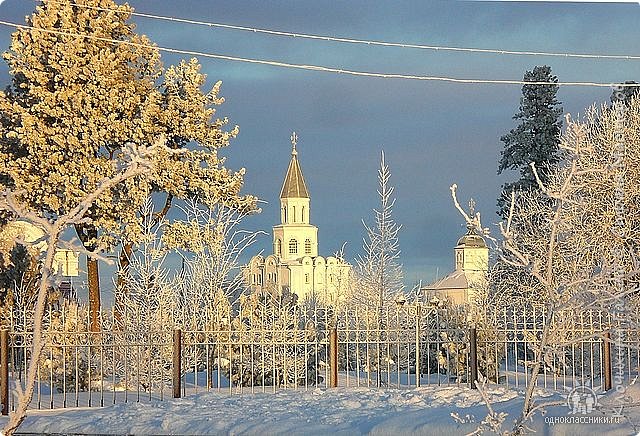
(535, 139)
(75, 101)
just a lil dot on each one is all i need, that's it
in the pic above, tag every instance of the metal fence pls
(261, 347)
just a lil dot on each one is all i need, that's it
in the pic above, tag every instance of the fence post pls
(418, 334)
(473, 357)
(4, 371)
(333, 357)
(177, 361)
(606, 360)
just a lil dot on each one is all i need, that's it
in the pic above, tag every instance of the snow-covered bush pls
(269, 342)
(64, 363)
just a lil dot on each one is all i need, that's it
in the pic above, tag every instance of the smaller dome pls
(472, 239)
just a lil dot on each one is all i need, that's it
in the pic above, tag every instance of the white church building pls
(471, 263)
(295, 263)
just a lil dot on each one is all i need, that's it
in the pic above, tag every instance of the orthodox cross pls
(294, 142)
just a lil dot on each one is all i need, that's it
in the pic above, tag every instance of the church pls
(295, 263)
(471, 263)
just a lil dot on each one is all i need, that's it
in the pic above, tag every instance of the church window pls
(294, 214)
(293, 246)
(306, 278)
(302, 213)
(253, 279)
(307, 246)
(259, 279)
(284, 215)
(278, 247)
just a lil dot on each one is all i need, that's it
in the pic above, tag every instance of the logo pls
(582, 400)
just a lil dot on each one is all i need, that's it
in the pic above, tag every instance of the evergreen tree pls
(379, 274)
(14, 271)
(75, 101)
(535, 139)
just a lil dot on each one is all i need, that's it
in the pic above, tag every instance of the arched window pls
(293, 246)
(306, 277)
(303, 219)
(284, 215)
(307, 246)
(278, 247)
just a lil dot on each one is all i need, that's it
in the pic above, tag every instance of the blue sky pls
(433, 134)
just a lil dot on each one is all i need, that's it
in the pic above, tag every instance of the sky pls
(433, 134)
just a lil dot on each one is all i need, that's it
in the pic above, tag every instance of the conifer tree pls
(77, 97)
(535, 139)
(379, 273)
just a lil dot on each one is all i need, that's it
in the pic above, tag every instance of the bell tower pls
(295, 237)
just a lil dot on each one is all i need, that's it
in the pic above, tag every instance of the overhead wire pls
(313, 67)
(355, 40)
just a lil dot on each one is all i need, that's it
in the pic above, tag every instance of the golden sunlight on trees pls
(74, 101)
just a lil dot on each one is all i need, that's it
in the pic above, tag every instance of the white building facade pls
(295, 263)
(471, 261)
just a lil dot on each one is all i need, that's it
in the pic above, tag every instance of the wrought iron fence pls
(254, 347)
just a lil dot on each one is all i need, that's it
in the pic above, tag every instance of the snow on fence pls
(258, 348)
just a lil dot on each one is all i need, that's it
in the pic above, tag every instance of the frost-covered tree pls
(269, 342)
(211, 244)
(134, 162)
(577, 237)
(535, 139)
(378, 274)
(83, 85)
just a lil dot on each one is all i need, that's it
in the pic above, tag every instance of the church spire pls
(294, 185)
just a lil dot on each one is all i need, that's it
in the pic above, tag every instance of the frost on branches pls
(576, 241)
(73, 104)
(378, 275)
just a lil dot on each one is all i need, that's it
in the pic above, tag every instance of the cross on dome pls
(294, 142)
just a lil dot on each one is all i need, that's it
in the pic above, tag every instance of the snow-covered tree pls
(577, 238)
(378, 273)
(270, 342)
(378, 277)
(211, 243)
(134, 162)
(535, 139)
(83, 85)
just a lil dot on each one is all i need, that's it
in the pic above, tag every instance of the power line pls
(360, 41)
(315, 67)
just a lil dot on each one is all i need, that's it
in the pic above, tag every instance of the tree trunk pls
(93, 280)
(121, 282)
(88, 235)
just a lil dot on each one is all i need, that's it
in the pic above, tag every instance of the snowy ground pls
(340, 411)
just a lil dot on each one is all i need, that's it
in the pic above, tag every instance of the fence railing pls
(260, 349)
